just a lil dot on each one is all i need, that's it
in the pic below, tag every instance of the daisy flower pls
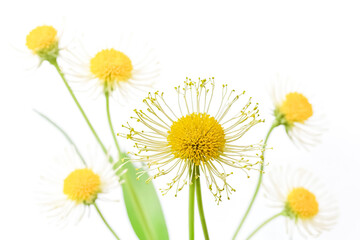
(295, 110)
(125, 68)
(203, 132)
(43, 41)
(302, 199)
(70, 187)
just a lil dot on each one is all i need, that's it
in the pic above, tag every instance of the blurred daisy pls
(126, 68)
(197, 134)
(69, 187)
(294, 110)
(43, 41)
(302, 199)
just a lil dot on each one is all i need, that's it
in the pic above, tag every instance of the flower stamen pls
(198, 134)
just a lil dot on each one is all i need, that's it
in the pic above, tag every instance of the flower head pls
(302, 198)
(197, 137)
(43, 41)
(302, 203)
(69, 188)
(295, 108)
(121, 70)
(196, 134)
(111, 66)
(82, 185)
(296, 112)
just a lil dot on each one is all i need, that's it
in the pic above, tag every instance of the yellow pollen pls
(296, 108)
(303, 203)
(82, 185)
(196, 137)
(42, 38)
(111, 66)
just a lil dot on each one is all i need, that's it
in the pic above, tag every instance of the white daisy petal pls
(65, 205)
(301, 116)
(307, 204)
(124, 70)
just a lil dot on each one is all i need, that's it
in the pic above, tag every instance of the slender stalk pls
(191, 205)
(263, 224)
(106, 223)
(274, 125)
(65, 135)
(199, 203)
(110, 123)
(56, 65)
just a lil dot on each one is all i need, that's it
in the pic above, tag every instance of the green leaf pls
(143, 205)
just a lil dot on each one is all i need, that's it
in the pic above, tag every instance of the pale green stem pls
(274, 125)
(55, 64)
(263, 224)
(199, 203)
(191, 205)
(65, 135)
(106, 223)
(110, 123)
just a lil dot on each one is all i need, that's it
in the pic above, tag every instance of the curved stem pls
(191, 204)
(56, 65)
(110, 122)
(274, 125)
(263, 224)
(65, 135)
(106, 223)
(199, 203)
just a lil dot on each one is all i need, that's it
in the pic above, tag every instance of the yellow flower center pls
(82, 186)
(42, 38)
(296, 108)
(111, 66)
(303, 203)
(196, 137)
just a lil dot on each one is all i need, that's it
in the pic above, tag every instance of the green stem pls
(191, 205)
(110, 123)
(263, 224)
(199, 203)
(56, 65)
(274, 125)
(106, 223)
(65, 135)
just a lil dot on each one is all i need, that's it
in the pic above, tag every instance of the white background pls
(316, 43)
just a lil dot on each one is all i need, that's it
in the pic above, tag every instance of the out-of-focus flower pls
(44, 42)
(198, 133)
(69, 188)
(124, 70)
(304, 200)
(302, 120)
